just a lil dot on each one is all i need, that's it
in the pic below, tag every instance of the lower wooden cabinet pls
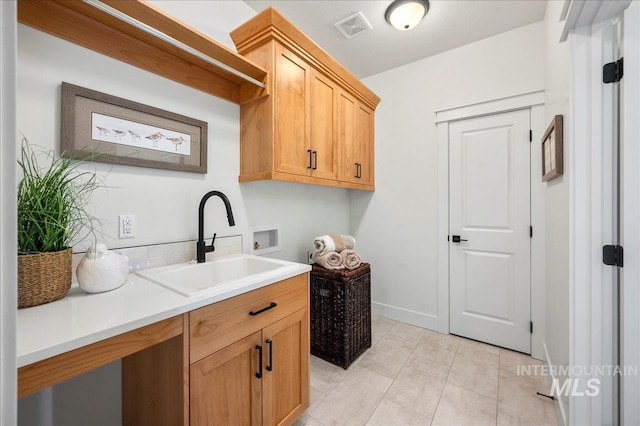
(225, 388)
(286, 376)
(240, 361)
(262, 379)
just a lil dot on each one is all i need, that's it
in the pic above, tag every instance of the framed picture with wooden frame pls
(552, 150)
(114, 130)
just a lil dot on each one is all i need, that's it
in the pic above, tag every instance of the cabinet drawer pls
(218, 325)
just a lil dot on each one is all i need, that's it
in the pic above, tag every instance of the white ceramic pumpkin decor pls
(102, 270)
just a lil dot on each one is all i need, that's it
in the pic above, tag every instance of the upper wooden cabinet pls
(309, 129)
(323, 143)
(304, 127)
(355, 136)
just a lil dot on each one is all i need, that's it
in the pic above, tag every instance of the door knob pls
(457, 239)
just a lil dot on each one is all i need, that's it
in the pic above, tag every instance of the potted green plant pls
(52, 213)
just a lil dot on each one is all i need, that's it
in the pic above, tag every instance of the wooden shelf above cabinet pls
(85, 25)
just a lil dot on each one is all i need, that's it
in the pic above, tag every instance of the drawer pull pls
(259, 373)
(270, 364)
(272, 305)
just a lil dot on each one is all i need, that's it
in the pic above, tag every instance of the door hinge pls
(531, 327)
(531, 232)
(530, 135)
(613, 71)
(612, 255)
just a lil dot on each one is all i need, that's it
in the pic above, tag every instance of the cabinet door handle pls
(254, 313)
(356, 171)
(315, 160)
(309, 152)
(270, 364)
(359, 170)
(259, 373)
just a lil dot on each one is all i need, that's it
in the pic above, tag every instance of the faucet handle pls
(212, 248)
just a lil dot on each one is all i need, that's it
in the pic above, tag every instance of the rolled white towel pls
(334, 242)
(324, 244)
(350, 259)
(343, 242)
(328, 260)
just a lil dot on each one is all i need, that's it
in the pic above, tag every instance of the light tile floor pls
(413, 376)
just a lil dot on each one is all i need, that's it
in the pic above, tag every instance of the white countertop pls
(80, 319)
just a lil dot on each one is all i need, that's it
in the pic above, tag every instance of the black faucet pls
(201, 247)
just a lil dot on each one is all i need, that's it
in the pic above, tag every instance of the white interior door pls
(490, 212)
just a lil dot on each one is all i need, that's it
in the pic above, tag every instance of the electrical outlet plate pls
(127, 225)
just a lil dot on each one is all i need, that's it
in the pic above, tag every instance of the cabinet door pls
(346, 109)
(224, 387)
(321, 121)
(364, 144)
(291, 108)
(286, 377)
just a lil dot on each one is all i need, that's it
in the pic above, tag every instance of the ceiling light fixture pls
(406, 14)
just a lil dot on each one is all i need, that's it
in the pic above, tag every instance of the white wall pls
(164, 202)
(396, 226)
(214, 18)
(557, 196)
(8, 214)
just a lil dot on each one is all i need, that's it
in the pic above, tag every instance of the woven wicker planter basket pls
(43, 277)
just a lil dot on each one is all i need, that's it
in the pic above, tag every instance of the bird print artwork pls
(134, 136)
(155, 138)
(176, 141)
(139, 135)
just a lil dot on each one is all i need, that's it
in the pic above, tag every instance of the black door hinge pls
(613, 71)
(531, 232)
(612, 255)
(530, 135)
(531, 327)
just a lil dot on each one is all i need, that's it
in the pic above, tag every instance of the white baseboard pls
(418, 319)
(561, 410)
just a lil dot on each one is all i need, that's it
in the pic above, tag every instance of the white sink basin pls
(219, 275)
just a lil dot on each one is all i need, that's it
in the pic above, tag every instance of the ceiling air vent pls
(353, 25)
